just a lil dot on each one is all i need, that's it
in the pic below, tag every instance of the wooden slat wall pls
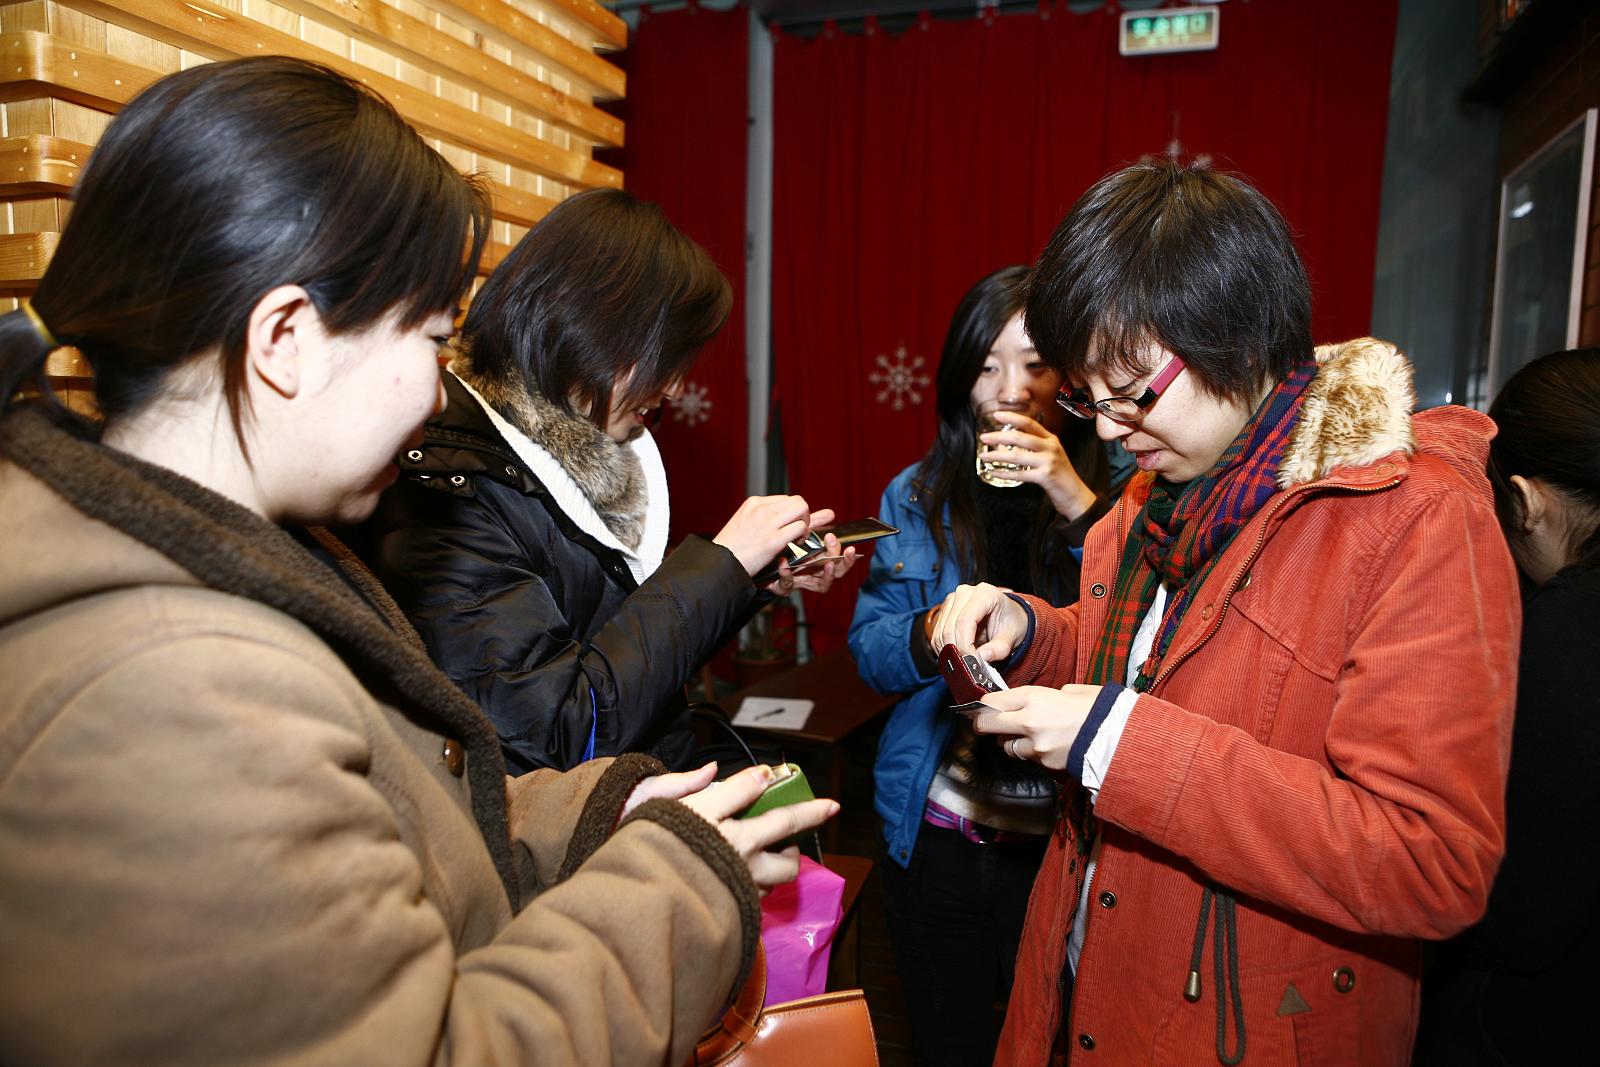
(505, 88)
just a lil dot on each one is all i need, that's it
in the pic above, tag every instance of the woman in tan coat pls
(242, 817)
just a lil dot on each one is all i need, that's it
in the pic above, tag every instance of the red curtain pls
(907, 167)
(686, 117)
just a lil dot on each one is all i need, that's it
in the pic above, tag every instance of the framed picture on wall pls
(1544, 233)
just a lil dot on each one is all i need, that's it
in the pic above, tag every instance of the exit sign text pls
(1175, 29)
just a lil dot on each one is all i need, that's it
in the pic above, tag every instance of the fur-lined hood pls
(609, 475)
(1358, 411)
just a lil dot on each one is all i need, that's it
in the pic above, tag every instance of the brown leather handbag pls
(833, 1028)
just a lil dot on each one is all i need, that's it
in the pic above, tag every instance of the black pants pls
(955, 919)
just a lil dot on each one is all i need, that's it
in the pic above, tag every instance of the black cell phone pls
(799, 554)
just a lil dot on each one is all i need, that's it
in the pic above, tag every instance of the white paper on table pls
(774, 713)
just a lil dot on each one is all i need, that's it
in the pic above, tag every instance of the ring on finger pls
(1010, 746)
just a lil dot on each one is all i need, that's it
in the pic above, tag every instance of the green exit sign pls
(1173, 29)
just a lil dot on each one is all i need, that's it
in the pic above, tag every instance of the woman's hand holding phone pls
(1035, 722)
(720, 804)
(815, 575)
(763, 525)
(982, 618)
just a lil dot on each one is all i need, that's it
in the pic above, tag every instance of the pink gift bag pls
(798, 920)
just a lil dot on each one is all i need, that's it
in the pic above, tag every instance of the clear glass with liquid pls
(992, 472)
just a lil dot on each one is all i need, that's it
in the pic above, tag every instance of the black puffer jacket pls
(1516, 989)
(538, 621)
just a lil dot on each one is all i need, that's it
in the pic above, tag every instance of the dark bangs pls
(601, 289)
(408, 211)
(1184, 257)
(694, 308)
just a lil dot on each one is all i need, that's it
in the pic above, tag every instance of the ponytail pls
(25, 346)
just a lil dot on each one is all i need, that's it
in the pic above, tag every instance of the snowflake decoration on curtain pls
(902, 382)
(694, 406)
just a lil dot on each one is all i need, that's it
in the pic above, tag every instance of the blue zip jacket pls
(907, 577)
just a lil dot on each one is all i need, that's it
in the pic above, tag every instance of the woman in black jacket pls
(525, 538)
(1517, 988)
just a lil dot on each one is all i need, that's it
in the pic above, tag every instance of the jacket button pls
(455, 760)
(1205, 612)
(1344, 980)
(1097, 590)
(1108, 899)
(1244, 583)
(898, 567)
(415, 455)
(458, 480)
(1086, 1042)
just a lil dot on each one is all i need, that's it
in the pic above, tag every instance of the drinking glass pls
(990, 472)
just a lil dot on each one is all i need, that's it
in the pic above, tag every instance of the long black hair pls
(946, 478)
(220, 183)
(1548, 421)
(603, 286)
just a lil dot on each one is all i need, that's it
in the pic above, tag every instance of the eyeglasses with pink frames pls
(1124, 409)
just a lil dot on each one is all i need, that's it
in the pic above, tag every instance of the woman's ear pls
(284, 330)
(1535, 500)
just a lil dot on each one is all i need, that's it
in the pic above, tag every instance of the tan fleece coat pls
(243, 820)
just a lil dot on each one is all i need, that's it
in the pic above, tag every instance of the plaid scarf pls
(1182, 530)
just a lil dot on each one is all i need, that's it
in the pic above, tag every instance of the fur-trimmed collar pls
(1356, 411)
(609, 475)
(231, 549)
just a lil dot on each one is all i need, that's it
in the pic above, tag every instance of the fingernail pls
(765, 775)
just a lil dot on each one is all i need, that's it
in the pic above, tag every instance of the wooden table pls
(844, 960)
(842, 706)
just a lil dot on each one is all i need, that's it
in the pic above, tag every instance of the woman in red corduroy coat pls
(1285, 694)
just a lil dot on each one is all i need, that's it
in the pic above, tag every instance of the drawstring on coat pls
(1225, 945)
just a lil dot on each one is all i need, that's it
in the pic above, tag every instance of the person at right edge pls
(1281, 709)
(1516, 989)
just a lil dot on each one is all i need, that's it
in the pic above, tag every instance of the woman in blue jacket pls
(964, 824)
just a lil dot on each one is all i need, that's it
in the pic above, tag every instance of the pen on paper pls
(769, 714)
